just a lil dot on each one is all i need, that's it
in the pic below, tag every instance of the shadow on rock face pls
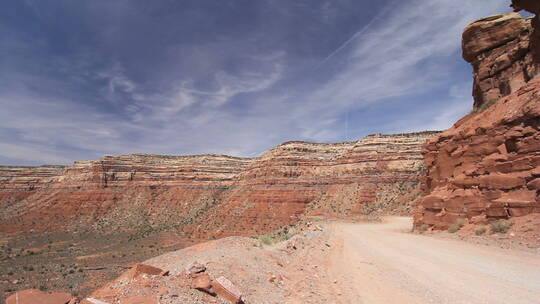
(532, 6)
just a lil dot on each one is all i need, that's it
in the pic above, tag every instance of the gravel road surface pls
(385, 263)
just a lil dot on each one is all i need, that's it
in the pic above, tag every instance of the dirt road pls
(383, 263)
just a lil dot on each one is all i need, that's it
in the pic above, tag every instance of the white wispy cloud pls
(359, 33)
(168, 105)
(406, 50)
(58, 126)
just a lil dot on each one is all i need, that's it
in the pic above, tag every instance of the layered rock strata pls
(211, 195)
(298, 179)
(486, 166)
(501, 51)
(115, 192)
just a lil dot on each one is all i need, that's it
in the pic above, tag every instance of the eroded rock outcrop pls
(299, 179)
(500, 49)
(211, 195)
(115, 193)
(486, 166)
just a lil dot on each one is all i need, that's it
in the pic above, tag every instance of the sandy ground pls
(385, 263)
(344, 262)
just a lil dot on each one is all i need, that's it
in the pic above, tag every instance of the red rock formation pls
(487, 164)
(210, 195)
(123, 192)
(499, 49)
(298, 178)
(532, 6)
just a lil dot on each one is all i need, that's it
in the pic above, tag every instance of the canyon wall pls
(486, 166)
(212, 195)
(114, 193)
(300, 179)
(498, 47)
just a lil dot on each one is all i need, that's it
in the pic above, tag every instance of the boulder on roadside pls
(226, 289)
(203, 282)
(34, 296)
(140, 269)
(196, 268)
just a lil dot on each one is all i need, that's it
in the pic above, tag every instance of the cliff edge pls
(486, 167)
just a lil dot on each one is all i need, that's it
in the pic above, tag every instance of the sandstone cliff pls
(115, 192)
(211, 195)
(298, 179)
(499, 49)
(486, 166)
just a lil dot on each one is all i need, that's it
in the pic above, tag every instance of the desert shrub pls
(485, 105)
(500, 226)
(277, 236)
(423, 228)
(369, 208)
(480, 230)
(285, 233)
(266, 239)
(453, 229)
(456, 226)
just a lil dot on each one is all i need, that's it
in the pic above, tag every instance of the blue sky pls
(83, 79)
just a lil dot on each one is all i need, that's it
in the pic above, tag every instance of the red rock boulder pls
(226, 289)
(140, 269)
(34, 296)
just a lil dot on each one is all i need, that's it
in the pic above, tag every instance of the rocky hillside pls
(298, 179)
(212, 195)
(120, 193)
(486, 167)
